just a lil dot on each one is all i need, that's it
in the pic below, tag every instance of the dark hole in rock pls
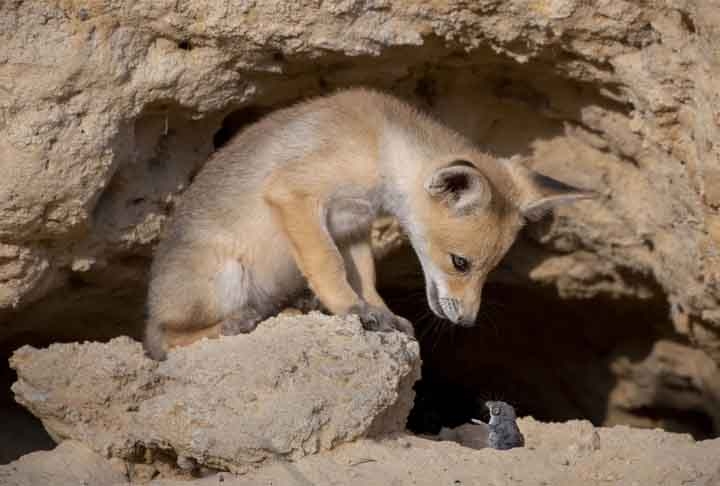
(235, 122)
(76, 282)
(20, 433)
(426, 89)
(694, 422)
(688, 22)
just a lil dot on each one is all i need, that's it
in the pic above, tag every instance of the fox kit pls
(289, 203)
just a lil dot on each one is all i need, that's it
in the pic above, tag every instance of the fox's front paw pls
(403, 325)
(378, 319)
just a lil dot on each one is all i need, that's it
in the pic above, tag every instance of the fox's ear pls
(539, 194)
(460, 186)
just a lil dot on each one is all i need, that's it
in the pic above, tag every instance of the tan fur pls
(290, 200)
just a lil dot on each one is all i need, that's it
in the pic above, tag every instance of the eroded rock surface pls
(293, 387)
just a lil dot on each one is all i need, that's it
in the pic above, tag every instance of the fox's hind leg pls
(181, 310)
(197, 296)
(243, 321)
(240, 313)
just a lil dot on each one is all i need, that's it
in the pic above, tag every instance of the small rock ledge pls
(294, 387)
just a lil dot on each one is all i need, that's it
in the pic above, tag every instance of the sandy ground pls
(570, 453)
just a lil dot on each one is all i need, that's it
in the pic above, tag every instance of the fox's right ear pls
(539, 193)
(460, 186)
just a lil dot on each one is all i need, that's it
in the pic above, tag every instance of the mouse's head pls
(465, 219)
(500, 410)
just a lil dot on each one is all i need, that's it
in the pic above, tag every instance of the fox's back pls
(228, 188)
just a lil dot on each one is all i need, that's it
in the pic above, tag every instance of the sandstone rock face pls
(293, 387)
(667, 379)
(108, 109)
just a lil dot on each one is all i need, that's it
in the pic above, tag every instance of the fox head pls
(470, 210)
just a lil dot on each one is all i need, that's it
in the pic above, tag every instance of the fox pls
(288, 204)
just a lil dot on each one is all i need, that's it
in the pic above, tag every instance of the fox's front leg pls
(301, 217)
(360, 267)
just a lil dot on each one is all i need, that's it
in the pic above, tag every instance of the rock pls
(69, 464)
(668, 378)
(295, 386)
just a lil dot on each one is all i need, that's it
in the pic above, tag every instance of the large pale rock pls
(293, 387)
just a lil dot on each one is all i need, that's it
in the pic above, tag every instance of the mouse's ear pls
(537, 193)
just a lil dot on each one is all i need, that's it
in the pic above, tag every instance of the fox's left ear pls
(539, 193)
(460, 186)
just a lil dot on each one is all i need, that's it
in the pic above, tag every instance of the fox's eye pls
(461, 264)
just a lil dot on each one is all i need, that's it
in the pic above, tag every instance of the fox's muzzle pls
(452, 309)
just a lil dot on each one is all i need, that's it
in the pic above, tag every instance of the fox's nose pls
(458, 313)
(467, 315)
(452, 309)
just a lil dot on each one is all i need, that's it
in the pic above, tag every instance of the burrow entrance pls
(552, 358)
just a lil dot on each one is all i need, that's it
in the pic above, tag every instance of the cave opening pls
(550, 357)
(21, 432)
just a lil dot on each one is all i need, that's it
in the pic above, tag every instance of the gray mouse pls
(501, 432)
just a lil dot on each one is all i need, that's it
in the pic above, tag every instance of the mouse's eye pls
(495, 411)
(461, 264)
